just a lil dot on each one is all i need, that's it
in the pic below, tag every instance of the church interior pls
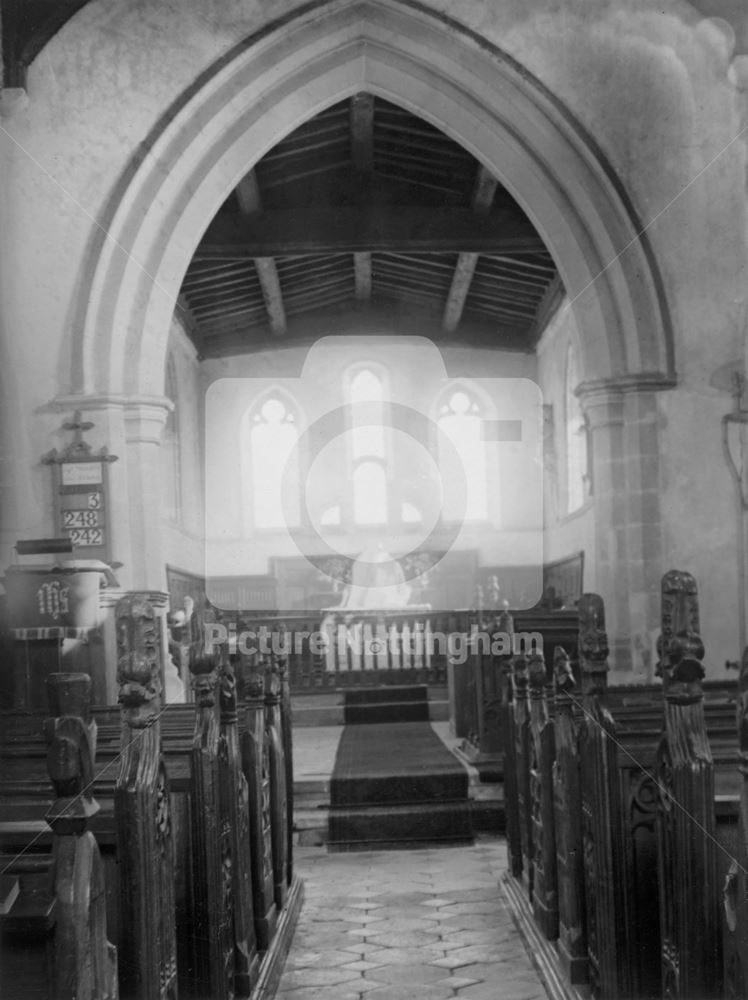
(373, 493)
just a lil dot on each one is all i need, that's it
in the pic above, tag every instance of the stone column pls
(624, 439)
(644, 524)
(603, 408)
(144, 424)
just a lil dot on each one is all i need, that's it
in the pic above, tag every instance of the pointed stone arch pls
(433, 67)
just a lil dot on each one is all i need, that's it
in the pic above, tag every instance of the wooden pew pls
(732, 836)
(567, 794)
(54, 925)
(637, 820)
(542, 820)
(687, 869)
(167, 806)
(142, 812)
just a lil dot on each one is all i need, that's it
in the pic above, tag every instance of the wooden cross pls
(78, 426)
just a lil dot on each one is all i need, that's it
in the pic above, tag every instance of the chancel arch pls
(476, 94)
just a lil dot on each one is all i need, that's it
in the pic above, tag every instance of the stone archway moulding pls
(400, 51)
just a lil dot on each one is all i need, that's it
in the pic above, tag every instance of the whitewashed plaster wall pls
(652, 85)
(183, 523)
(235, 547)
(565, 533)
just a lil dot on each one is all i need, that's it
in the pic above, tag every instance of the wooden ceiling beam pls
(362, 269)
(547, 308)
(225, 313)
(500, 310)
(440, 262)
(458, 292)
(223, 277)
(522, 264)
(272, 293)
(483, 194)
(422, 269)
(368, 228)
(281, 155)
(211, 305)
(293, 267)
(362, 154)
(281, 177)
(327, 298)
(362, 132)
(419, 182)
(388, 318)
(250, 205)
(221, 286)
(307, 291)
(197, 272)
(248, 195)
(189, 321)
(511, 280)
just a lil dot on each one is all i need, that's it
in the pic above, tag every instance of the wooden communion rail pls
(627, 819)
(351, 648)
(168, 833)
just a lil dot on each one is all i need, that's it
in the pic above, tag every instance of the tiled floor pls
(416, 925)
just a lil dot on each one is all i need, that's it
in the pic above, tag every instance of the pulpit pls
(53, 616)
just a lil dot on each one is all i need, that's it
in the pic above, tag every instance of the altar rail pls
(622, 816)
(167, 833)
(351, 648)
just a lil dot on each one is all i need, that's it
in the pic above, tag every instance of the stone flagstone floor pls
(417, 925)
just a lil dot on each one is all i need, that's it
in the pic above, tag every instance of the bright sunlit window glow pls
(369, 493)
(461, 421)
(272, 439)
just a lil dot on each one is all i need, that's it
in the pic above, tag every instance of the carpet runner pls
(395, 784)
(392, 703)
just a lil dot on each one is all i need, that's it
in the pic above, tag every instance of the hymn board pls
(81, 493)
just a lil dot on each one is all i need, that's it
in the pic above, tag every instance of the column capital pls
(144, 416)
(602, 407)
(603, 399)
(631, 382)
(145, 421)
(131, 406)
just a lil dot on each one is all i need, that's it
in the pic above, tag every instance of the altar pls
(374, 628)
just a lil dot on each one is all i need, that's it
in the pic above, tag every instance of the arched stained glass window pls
(272, 437)
(367, 432)
(461, 420)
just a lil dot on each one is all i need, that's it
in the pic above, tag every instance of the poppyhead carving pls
(562, 672)
(138, 663)
(254, 687)
(204, 678)
(593, 639)
(227, 693)
(520, 672)
(679, 646)
(536, 670)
